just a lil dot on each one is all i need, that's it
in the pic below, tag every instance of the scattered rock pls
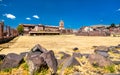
(2, 56)
(65, 55)
(86, 55)
(116, 51)
(99, 60)
(117, 46)
(102, 48)
(111, 48)
(23, 54)
(103, 53)
(116, 62)
(11, 60)
(71, 62)
(38, 48)
(51, 61)
(94, 46)
(35, 62)
(75, 49)
(75, 54)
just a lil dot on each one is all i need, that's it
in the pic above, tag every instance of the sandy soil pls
(58, 43)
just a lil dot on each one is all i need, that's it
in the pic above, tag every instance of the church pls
(40, 29)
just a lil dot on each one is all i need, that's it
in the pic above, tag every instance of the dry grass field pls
(58, 43)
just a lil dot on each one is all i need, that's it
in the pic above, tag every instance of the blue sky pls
(75, 13)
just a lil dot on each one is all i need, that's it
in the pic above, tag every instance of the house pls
(40, 29)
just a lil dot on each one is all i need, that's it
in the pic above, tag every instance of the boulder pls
(11, 60)
(111, 48)
(35, 62)
(102, 52)
(65, 55)
(116, 51)
(71, 61)
(75, 54)
(99, 60)
(38, 48)
(102, 48)
(23, 54)
(75, 49)
(86, 55)
(2, 56)
(116, 62)
(51, 61)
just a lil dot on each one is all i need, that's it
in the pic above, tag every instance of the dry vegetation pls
(60, 43)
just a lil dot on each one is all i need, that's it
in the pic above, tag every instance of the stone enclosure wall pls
(7, 33)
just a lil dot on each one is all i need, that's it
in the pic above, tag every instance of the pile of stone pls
(36, 59)
(100, 58)
(40, 57)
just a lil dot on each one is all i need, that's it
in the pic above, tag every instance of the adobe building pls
(40, 29)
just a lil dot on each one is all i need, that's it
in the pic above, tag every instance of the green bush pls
(110, 68)
(7, 70)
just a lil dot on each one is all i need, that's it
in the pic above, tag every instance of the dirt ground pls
(58, 43)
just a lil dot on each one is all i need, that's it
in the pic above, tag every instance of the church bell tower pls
(61, 25)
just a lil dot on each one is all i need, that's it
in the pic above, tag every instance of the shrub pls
(110, 68)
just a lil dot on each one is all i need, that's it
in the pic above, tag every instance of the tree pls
(112, 25)
(20, 29)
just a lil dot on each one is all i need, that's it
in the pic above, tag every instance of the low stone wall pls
(93, 33)
(7, 34)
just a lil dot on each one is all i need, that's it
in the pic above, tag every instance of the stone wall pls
(6, 33)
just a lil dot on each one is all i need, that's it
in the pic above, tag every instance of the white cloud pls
(36, 16)
(118, 9)
(28, 18)
(10, 16)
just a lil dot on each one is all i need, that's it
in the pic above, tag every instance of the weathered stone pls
(11, 60)
(116, 62)
(62, 61)
(51, 61)
(23, 54)
(64, 55)
(38, 48)
(103, 53)
(116, 51)
(117, 46)
(86, 55)
(75, 54)
(111, 48)
(71, 61)
(35, 62)
(99, 60)
(102, 48)
(2, 56)
(75, 49)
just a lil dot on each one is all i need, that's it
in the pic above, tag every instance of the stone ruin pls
(36, 59)
(7, 33)
(39, 57)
